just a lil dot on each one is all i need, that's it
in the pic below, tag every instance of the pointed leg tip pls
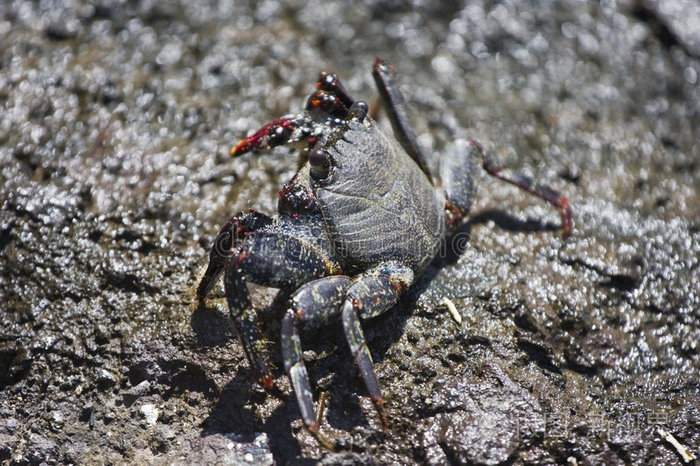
(267, 381)
(381, 66)
(379, 406)
(240, 148)
(568, 223)
(323, 441)
(473, 143)
(566, 232)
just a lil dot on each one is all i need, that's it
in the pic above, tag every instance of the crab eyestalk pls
(320, 164)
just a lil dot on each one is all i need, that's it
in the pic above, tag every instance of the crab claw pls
(271, 135)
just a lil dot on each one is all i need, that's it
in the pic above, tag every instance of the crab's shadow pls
(511, 223)
(332, 370)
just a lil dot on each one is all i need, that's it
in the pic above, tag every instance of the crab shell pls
(377, 204)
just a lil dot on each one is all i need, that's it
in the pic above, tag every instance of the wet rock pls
(345, 459)
(14, 362)
(40, 450)
(149, 413)
(482, 422)
(115, 177)
(229, 449)
(57, 420)
(8, 429)
(105, 379)
(135, 392)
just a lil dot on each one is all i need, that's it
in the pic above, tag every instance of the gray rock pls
(115, 125)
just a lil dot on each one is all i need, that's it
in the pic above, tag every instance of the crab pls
(356, 226)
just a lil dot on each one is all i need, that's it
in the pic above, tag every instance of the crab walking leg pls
(274, 259)
(313, 305)
(246, 322)
(526, 183)
(371, 295)
(456, 173)
(395, 107)
(233, 231)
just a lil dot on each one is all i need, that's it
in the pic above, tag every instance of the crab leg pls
(395, 107)
(320, 302)
(457, 175)
(270, 258)
(372, 294)
(285, 130)
(245, 319)
(232, 233)
(313, 305)
(526, 183)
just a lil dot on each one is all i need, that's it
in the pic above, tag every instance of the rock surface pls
(115, 123)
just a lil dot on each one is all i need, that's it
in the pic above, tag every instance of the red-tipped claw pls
(272, 134)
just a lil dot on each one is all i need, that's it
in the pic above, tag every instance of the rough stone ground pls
(115, 122)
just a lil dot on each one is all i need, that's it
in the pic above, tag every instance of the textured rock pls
(115, 124)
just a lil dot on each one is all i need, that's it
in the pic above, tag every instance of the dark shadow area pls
(211, 326)
(332, 370)
(539, 353)
(182, 376)
(658, 25)
(621, 282)
(509, 222)
(229, 414)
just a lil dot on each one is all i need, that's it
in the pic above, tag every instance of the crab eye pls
(320, 164)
